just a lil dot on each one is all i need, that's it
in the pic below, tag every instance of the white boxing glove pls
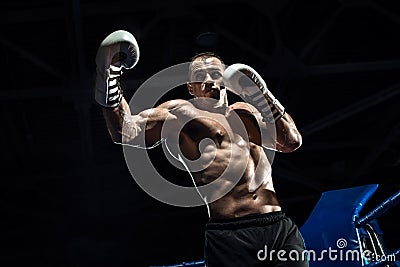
(117, 51)
(248, 84)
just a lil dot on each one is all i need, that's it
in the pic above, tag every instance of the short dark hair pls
(205, 55)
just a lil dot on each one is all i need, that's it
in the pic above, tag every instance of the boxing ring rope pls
(375, 214)
(199, 263)
(380, 209)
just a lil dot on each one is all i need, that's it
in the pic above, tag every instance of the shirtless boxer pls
(248, 219)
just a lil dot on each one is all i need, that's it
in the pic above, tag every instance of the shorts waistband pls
(245, 221)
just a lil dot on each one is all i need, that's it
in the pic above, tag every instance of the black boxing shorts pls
(269, 239)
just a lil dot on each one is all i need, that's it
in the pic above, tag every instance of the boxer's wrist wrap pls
(108, 92)
(271, 109)
(114, 91)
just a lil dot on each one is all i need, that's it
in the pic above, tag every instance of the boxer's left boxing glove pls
(118, 51)
(247, 83)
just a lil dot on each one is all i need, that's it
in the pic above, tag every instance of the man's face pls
(206, 77)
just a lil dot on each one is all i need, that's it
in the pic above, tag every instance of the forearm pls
(117, 120)
(288, 138)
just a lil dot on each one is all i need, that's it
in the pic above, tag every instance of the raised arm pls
(262, 112)
(119, 51)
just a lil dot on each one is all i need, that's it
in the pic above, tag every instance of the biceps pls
(145, 129)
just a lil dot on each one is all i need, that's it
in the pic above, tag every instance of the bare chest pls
(198, 125)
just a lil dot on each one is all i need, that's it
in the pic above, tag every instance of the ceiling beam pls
(323, 29)
(351, 110)
(352, 67)
(375, 152)
(41, 13)
(25, 54)
(79, 80)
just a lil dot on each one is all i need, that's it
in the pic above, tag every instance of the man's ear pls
(190, 88)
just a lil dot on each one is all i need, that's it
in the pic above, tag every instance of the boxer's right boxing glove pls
(117, 51)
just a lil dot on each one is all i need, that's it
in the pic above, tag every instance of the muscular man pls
(246, 224)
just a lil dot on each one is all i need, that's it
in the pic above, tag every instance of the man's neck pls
(209, 104)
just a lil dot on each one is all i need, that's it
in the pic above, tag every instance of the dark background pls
(67, 197)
